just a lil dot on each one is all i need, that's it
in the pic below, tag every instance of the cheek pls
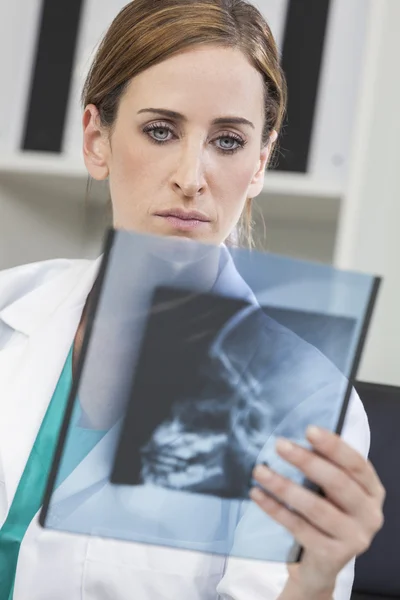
(131, 176)
(129, 164)
(237, 178)
(234, 192)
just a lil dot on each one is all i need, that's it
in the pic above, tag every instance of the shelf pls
(293, 184)
(52, 177)
(38, 166)
(293, 215)
(41, 164)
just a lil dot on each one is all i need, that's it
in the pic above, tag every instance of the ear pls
(257, 183)
(96, 146)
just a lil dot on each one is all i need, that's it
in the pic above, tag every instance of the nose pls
(189, 179)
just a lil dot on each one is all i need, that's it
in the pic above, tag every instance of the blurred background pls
(332, 197)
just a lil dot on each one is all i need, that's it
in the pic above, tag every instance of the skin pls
(189, 170)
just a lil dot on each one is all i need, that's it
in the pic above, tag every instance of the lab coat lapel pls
(48, 318)
(96, 466)
(229, 282)
(29, 370)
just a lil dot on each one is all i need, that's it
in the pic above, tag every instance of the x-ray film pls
(195, 360)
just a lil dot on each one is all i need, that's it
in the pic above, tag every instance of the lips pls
(183, 220)
(178, 213)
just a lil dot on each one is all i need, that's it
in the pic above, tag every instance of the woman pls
(207, 75)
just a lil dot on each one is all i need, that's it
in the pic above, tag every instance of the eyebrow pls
(179, 117)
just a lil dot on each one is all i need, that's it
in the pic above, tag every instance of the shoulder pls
(356, 431)
(276, 352)
(17, 282)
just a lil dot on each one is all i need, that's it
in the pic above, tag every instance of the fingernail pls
(314, 433)
(256, 494)
(284, 445)
(262, 472)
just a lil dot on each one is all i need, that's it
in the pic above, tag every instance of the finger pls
(304, 533)
(337, 484)
(318, 511)
(339, 452)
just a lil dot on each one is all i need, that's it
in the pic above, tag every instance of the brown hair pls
(147, 32)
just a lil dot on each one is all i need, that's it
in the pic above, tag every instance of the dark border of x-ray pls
(297, 550)
(92, 313)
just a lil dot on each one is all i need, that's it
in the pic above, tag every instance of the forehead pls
(206, 80)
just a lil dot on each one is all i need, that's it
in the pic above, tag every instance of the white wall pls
(369, 226)
(48, 217)
(19, 21)
(299, 227)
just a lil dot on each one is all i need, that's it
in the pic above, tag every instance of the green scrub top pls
(29, 495)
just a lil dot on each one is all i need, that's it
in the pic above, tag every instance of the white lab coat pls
(40, 309)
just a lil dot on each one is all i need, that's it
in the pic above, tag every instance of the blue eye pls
(157, 128)
(240, 143)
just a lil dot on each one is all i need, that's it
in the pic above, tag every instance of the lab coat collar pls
(229, 281)
(28, 313)
(48, 314)
(96, 465)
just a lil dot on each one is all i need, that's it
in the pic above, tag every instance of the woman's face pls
(185, 152)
